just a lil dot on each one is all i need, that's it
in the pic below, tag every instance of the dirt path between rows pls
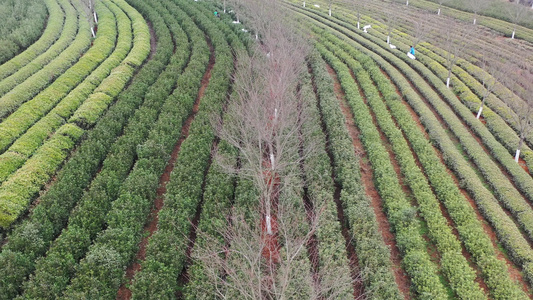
(401, 278)
(124, 293)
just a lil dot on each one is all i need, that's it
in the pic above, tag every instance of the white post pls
(517, 156)
(92, 31)
(407, 4)
(479, 112)
(388, 39)
(448, 82)
(256, 36)
(358, 25)
(272, 161)
(304, 3)
(514, 31)
(438, 13)
(475, 21)
(330, 12)
(95, 18)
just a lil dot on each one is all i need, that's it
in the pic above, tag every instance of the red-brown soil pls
(523, 164)
(402, 280)
(123, 292)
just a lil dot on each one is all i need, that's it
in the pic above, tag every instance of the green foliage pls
(22, 23)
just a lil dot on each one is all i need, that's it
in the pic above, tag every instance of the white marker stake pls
(92, 31)
(448, 82)
(95, 18)
(517, 156)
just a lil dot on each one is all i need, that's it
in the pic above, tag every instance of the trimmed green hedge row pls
(123, 219)
(27, 181)
(165, 254)
(505, 228)
(402, 216)
(32, 238)
(371, 250)
(495, 124)
(430, 95)
(44, 81)
(22, 23)
(41, 62)
(17, 119)
(28, 143)
(320, 187)
(57, 268)
(217, 203)
(499, 130)
(501, 26)
(469, 89)
(454, 265)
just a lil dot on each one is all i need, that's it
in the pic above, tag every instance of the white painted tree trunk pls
(407, 3)
(475, 21)
(438, 13)
(256, 36)
(330, 12)
(95, 18)
(388, 39)
(514, 31)
(358, 25)
(269, 224)
(479, 112)
(304, 3)
(92, 32)
(517, 156)
(448, 82)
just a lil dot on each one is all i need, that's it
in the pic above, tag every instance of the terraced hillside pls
(357, 173)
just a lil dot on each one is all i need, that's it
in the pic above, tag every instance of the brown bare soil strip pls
(350, 249)
(401, 278)
(124, 293)
(513, 269)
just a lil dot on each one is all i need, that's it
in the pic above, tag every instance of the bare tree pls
(358, 6)
(516, 12)
(493, 69)
(265, 253)
(477, 6)
(421, 28)
(519, 101)
(239, 267)
(441, 2)
(453, 37)
(390, 18)
(88, 7)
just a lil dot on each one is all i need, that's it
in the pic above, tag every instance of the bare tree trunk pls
(449, 77)
(520, 144)
(480, 109)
